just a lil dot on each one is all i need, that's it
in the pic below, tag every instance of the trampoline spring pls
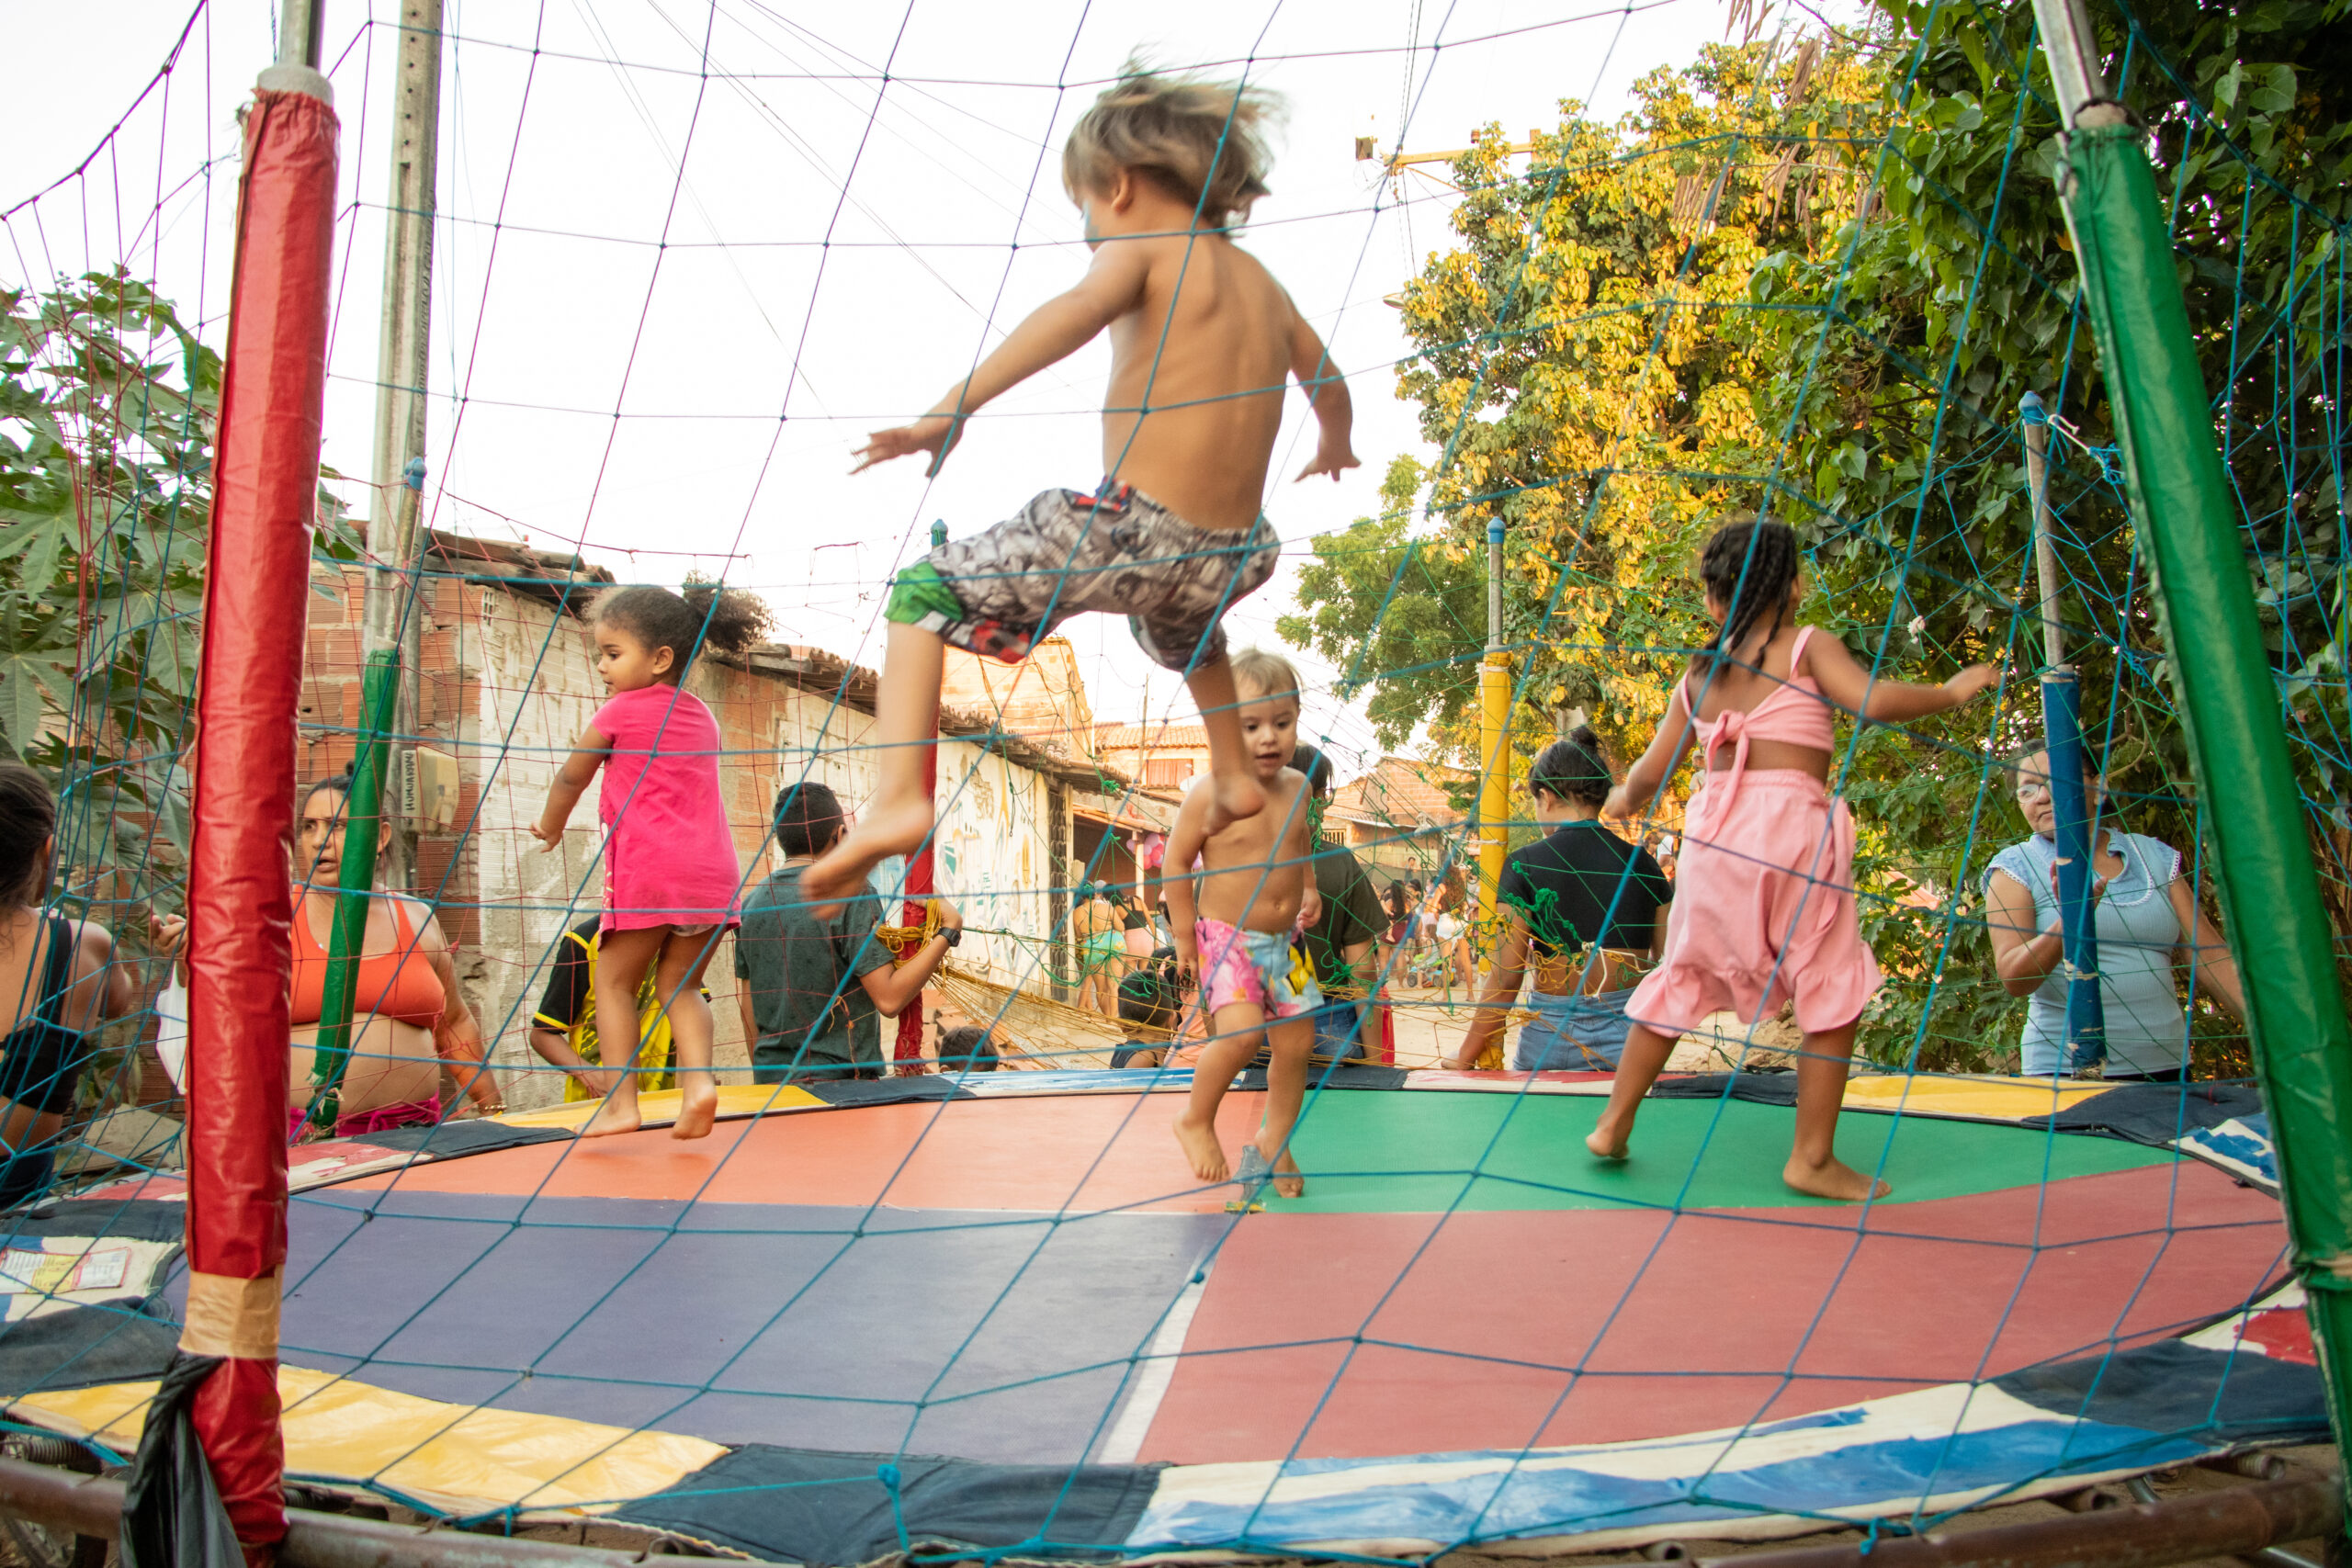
(1667, 1551)
(2090, 1498)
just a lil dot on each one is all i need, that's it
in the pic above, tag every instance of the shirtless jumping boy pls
(1257, 893)
(1204, 343)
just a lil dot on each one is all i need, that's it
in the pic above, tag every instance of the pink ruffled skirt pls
(1763, 910)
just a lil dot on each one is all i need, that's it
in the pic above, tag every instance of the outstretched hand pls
(1331, 460)
(1973, 681)
(936, 433)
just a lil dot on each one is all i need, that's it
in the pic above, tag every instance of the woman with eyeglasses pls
(2147, 924)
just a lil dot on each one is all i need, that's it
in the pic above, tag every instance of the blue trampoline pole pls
(2062, 725)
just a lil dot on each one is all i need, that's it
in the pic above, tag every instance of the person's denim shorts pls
(1572, 1034)
(1337, 1034)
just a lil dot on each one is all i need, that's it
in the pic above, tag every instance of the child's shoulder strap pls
(1796, 650)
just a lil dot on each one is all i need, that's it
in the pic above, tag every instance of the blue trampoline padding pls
(1005, 1336)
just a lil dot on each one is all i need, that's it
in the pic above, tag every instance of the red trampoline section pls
(1361, 1334)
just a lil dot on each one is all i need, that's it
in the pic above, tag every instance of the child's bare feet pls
(1289, 1180)
(1201, 1148)
(1832, 1178)
(697, 1108)
(1608, 1140)
(884, 829)
(614, 1115)
(1231, 798)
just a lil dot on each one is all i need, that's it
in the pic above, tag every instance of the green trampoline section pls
(1408, 1153)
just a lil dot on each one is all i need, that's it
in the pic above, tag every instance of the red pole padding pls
(908, 1052)
(265, 481)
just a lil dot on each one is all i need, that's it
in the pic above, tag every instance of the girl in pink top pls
(671, 874)
(1764, 895)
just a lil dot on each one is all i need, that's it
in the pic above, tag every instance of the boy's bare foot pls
(1231, 799)
(697, 1108)
(1608, 1140)
(883, 830)
(1201, 1148)
(1832, 1178)
(1289, 1180)
(613, 1116)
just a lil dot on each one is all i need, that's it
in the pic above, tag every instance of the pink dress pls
(669, 854)
(1764, 889)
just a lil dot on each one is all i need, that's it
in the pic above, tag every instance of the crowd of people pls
(1277, 938)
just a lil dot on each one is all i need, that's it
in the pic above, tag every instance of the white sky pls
(878, 238)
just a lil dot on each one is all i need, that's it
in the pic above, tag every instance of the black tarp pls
(2155, 1113)
(2175, 1387)
(454, 1140)
(120, 1219)
(1350, 1073)
(799, 1504)
(82, 1346)
(1763, 1088)
(883, 1091)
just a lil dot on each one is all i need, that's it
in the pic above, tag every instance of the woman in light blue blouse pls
(2148, 926)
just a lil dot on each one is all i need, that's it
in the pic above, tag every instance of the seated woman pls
(1587, 908)
(60, 982)
(407, 1017)
(2147, 922)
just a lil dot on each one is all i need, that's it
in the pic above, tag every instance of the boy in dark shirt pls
(812, 991)
(1340, 944)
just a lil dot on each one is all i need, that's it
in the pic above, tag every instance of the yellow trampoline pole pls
(1494, 775)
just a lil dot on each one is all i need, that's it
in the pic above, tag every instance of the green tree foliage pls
(109, 404)
(1815, 282)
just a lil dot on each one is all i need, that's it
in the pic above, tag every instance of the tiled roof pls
(1401, 792)
(1133, 737)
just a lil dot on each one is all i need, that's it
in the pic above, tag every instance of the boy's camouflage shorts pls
(1001, 591)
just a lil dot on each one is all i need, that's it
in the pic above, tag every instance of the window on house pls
(1166, 773)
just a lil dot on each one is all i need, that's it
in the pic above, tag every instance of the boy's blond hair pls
(1267, 673)
(1203, 140)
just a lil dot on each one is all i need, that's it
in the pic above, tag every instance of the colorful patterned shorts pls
(1003, 589)
(1261, 968)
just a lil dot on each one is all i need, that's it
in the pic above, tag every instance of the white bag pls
(171, 1032)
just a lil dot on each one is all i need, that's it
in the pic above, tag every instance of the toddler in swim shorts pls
(1267, 970)
(1256, 892)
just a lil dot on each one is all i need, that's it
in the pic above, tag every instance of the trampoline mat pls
(804, 1326)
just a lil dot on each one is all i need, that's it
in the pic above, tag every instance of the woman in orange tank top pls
(408, 1018)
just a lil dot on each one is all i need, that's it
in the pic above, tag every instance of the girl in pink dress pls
(670, 876)
(1764, 892)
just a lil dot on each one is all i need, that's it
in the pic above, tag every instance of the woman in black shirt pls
(1581, 907)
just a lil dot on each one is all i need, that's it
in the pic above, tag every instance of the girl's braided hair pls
(704, 617)
(1573, 768)
(1752, 568)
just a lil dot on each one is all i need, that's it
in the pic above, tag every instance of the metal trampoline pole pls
(2061, 734)
(2229, 698)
